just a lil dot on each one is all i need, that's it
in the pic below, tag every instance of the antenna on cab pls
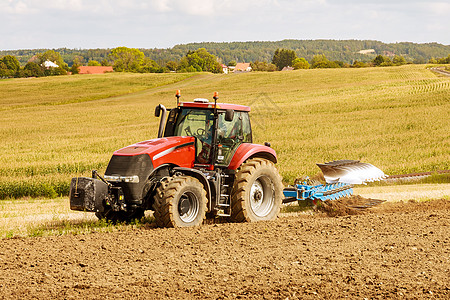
(178, 95)
(215, 97)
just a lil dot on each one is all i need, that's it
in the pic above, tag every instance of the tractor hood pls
(130, 167)
(179, 150)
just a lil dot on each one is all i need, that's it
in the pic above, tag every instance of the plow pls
(204, 164)
(340, 176)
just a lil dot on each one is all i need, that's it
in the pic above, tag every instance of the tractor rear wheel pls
(180, 201)
(257, 192)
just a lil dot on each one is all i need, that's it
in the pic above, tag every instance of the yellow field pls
(396, 118)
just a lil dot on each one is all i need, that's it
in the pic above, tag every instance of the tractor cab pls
(219, 129)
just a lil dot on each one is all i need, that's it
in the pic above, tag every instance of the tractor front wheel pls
(257, 192)
(180, 201)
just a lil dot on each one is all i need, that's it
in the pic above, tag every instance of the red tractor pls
(203, 164)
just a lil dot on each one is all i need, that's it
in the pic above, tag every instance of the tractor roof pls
(210, 105)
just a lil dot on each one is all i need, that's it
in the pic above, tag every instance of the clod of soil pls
(351, 205)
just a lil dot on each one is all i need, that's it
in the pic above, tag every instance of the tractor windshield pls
(197, 123)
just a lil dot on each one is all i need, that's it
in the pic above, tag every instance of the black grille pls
(140, 165)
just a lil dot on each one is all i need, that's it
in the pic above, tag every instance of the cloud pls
(438, 8)
(164, 23)
(15, 7)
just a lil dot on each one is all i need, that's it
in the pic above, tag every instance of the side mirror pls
(229, 115)
(158, 111)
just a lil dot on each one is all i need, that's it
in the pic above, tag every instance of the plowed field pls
(396, 250)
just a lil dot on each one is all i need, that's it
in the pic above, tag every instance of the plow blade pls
(351, 172)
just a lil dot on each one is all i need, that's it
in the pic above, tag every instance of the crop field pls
(396, 118)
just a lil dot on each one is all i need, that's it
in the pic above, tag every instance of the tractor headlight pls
(114, 178)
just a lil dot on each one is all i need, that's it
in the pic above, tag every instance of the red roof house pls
(243, 67)
(95, 69)
(224, 68)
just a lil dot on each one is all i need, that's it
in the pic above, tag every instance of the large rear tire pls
(257, 192)
(180, 201)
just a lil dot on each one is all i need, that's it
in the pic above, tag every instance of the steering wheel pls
(200, 131)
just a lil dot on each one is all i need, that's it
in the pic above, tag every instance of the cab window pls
(231, 134)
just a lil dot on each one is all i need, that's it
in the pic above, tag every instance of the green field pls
(54, 128)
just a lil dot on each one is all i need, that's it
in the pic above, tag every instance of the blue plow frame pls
(322, 192)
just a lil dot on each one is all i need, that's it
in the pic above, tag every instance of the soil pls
(394, 250)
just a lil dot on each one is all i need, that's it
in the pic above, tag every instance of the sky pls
(87, 24)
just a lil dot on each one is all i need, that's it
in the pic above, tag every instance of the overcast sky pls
(27, 24)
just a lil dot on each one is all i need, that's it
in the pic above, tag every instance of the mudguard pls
(247, 150)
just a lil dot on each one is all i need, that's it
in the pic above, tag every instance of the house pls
(95, 69)
(367, 51)
(224, 69)
(287, 68)
(242, 67)
(49, 64)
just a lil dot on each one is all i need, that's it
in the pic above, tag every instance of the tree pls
(263, 66)
(382, 61)
(33, 69)
(444, 60)
(55, 71)
(171, 65)
(150, 66)
(200, 61)
(398, 60)
(127, 59)
(4, 71)
(94, 63)
(283, 58)
(359, 64)
(318, 60)
(300, 63)
(321, 61)
(75, 69)
(11, 63)
(52, 56)
(387, 62)
(232, 63)
(78, 60)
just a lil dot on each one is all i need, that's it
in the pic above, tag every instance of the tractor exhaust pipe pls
(158, 110)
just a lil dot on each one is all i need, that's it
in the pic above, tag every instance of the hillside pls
(342, 50)
(55, 128)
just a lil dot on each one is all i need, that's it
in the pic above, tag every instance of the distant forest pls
(335, 50)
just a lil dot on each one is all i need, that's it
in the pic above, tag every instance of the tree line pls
(124, 59)
(346, 51)
(35, 67)
(288, 58)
